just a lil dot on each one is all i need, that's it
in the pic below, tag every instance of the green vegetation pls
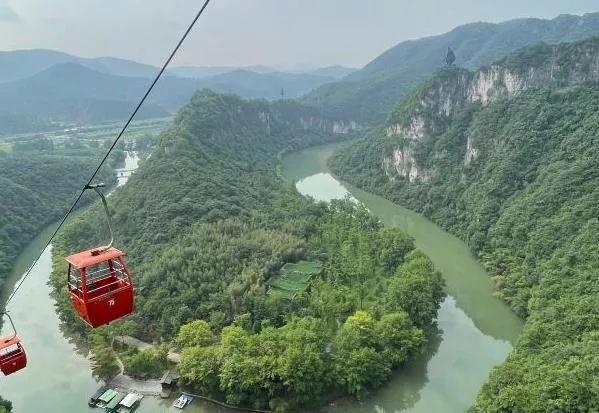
(384, 318)
(527, 205)
(36, 189)
(208, 226)
(104, 361)
(5, 406)
(369, 95)
(294, 278)
(147, 363)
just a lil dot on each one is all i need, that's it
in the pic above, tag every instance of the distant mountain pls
(73, 92)
(120, 67)
(76, 92)
(21, 64)
(264, 85)
(369, 94)
(337, 72)
(200, 72)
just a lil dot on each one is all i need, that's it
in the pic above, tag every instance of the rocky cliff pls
(423, 114)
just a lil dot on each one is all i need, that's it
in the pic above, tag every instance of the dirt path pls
(172, 356)
(133, 342)
(129, 384)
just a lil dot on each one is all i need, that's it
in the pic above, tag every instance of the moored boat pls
(106, 397)
(93, 400)
(182, 401)
(114, 403)
(129, 403)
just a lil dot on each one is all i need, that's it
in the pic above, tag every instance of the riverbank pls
(476, 327)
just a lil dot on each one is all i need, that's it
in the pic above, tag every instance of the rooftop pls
(108, 395)
(85, 258)
(169, 377)
(130, 399)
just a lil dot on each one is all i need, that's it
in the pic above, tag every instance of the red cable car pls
(12, 353)
(99, 281)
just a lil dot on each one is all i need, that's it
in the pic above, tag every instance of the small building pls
(113, 406)
(93, 400)
(129, 403)
(106, 397)
(168, 382)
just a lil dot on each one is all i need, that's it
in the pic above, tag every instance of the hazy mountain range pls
(55, 86)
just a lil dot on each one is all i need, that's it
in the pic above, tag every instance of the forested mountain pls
(69, 91)
(36, 189)
(369, 94)
(73, 92)
(209, 226)
(507, 158)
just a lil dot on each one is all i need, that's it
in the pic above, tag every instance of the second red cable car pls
(12, 353)
(99, 281)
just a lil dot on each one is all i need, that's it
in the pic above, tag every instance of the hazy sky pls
(248, 32)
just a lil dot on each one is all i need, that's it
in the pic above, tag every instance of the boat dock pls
(114, 401)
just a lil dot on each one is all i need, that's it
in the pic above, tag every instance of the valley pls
(471, 345)
(416, 235)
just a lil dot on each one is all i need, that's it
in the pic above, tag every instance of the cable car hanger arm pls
(101, 194)
(11, 323)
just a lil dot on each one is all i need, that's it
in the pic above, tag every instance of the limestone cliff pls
(422, 114)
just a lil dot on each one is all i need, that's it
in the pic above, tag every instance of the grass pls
(5, 147)
(294, 277)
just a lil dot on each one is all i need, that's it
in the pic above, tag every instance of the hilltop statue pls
(450, 57)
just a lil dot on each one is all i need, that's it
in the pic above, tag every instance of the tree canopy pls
(208, 224)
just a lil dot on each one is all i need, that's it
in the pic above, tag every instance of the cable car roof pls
(85, 258)
(9, 342)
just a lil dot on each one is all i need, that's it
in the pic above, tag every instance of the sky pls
(281, 33)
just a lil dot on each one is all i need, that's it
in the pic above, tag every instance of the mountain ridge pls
(74, 92)
(369, 94)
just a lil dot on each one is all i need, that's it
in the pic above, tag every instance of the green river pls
(476, 329)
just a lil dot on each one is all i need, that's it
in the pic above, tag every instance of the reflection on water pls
(322, 187)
